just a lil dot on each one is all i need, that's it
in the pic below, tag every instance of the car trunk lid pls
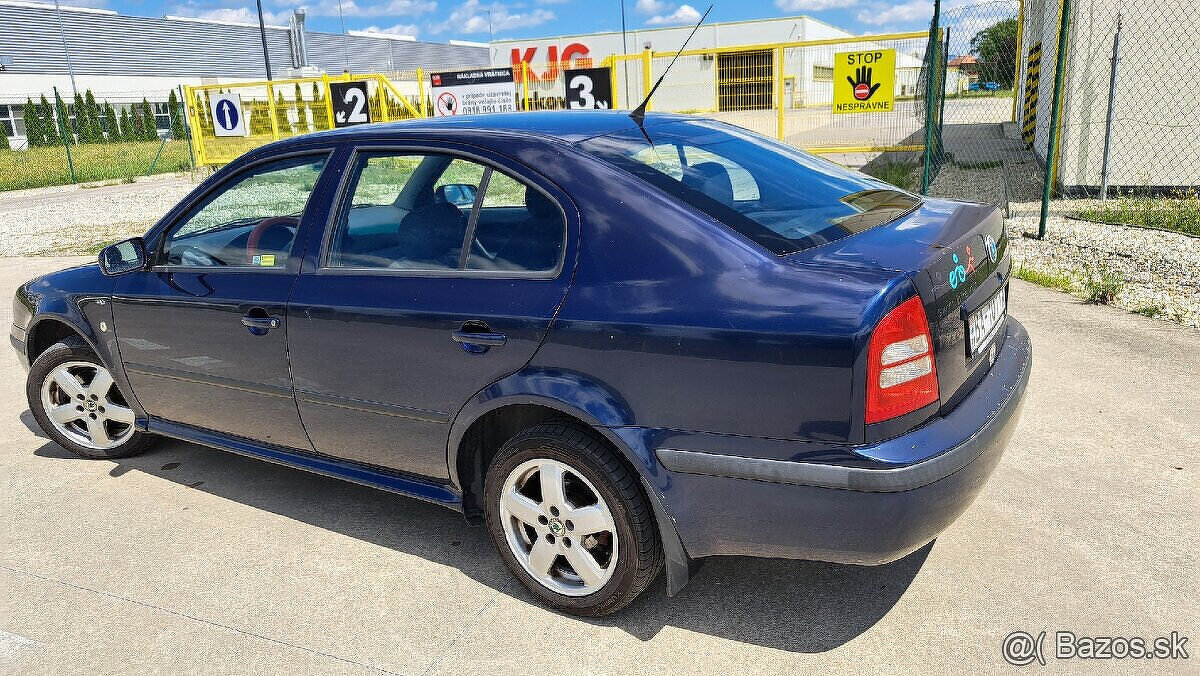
(956, 255)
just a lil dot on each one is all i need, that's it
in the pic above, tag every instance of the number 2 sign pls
(349, 101)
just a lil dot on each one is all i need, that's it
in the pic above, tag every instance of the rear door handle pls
(470, 338)
(260, 325)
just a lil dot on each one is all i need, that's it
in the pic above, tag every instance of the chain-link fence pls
(54, 137)
(974, 146)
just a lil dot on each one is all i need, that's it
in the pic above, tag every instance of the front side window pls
(779, 197)
(250, 221)
(409, 211)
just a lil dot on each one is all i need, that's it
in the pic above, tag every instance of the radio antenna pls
(639, 113)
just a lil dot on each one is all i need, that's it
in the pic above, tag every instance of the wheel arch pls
(499, 412)
(48, 329)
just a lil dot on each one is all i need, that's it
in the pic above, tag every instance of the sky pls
(443, 20)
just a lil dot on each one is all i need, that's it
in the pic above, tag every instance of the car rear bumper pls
(728, 504)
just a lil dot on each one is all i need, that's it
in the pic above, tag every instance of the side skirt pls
(393, 482)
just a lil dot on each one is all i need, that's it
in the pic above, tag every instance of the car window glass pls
(518, 229)
(405, 211)
(250, 221)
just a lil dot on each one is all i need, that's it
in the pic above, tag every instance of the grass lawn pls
(1177, 214)
(38, 167)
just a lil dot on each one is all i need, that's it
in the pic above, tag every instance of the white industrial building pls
(741, 80)
(123, 59)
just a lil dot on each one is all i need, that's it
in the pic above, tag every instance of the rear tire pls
(77, 403)
(588, 545)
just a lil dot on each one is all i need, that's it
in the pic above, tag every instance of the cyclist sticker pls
(864, 82)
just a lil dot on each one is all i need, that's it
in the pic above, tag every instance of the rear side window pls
(783, 199)
(432, 212)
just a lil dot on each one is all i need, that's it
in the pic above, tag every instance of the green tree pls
(111, 130)
(136, 131)
(176, 112)
(996, 49)
(4, 140)
(34, 134)
(316, 109)
(149, 127)
(60, 120)
(91, 116)
(126, 131)
(50, 133)
(75, 113)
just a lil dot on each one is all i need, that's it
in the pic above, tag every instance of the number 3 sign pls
(349, 101)
(588, 89)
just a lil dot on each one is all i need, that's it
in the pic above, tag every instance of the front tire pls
(77, 403)
(570, 520)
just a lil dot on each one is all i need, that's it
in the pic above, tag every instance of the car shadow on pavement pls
(798, 606)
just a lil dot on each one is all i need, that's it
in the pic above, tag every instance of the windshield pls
(780, 197)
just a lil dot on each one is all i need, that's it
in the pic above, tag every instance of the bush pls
(1101, 284)
(1178, 213)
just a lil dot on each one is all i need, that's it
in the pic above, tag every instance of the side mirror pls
(122, 257)
(458, 194)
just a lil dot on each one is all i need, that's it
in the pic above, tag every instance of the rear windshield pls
(782, 198)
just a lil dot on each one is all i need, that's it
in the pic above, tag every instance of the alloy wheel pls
(83, 403)
(558, 527)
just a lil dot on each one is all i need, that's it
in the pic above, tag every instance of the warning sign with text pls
(472, 92)
(864, 82)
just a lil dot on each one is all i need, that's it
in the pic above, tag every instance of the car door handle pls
(476, 337)
(263, 324)
(482, 338)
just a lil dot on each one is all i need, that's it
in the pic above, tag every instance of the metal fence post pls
(647, 74)
(328, 99)
(60, 118)
(524, 85)
(187, 127)
(1108, 119)
(1055, 111)
(935, 44)
(421, 90)
(1016, 79)
(271, 112)
(779, 93)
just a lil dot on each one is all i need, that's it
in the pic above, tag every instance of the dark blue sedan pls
(620, 346)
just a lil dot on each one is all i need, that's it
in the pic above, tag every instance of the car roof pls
(570, 126)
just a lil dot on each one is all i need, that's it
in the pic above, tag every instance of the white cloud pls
(232, 14)
(473, 17)
(399, 29)
(907, 12)
(812, 5)
(652, 6)
(683, 15)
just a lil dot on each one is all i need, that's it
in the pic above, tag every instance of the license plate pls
(983, 323)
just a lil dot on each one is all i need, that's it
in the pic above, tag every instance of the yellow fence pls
(782, 90)
(279, 109)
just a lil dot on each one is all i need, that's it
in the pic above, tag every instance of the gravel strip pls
(1160, 269)
(76, 219)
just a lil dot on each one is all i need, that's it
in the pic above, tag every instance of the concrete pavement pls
(191, 560)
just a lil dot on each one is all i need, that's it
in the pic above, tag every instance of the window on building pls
(162, 116)
(823, 73)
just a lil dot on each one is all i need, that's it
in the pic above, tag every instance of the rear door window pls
(406, 211)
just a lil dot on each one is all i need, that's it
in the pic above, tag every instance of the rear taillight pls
(901, 375)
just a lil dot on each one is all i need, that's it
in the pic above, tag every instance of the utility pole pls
(262, 32)
(67, 50)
